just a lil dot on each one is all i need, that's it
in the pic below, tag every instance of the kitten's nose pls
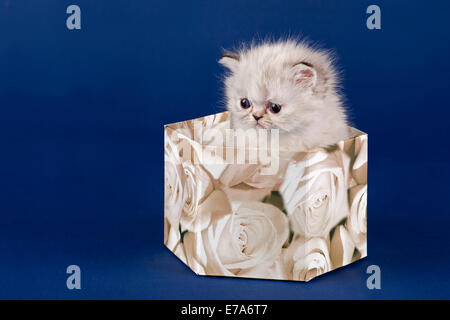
(257, 117)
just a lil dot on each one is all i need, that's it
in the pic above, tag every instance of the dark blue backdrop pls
(81, 131)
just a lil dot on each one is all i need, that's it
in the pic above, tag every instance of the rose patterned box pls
(232, 210)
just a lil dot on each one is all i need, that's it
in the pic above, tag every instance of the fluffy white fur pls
(301, 79)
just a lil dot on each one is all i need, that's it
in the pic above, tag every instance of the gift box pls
(237, 204)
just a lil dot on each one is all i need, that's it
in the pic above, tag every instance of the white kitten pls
(289, 86)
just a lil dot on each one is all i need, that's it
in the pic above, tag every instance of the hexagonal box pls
(239, 204)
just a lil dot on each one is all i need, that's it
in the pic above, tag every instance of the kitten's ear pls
(304, 74)
(229, 60)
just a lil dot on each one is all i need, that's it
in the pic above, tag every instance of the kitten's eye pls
(245, 103)
(274, 108)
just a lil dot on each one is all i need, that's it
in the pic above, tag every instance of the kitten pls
(289, 86)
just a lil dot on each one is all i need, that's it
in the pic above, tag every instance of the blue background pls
(81, 131)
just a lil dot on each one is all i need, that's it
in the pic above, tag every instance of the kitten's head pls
(277, 85)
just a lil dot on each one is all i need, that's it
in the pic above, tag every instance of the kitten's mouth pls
(260, 126)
